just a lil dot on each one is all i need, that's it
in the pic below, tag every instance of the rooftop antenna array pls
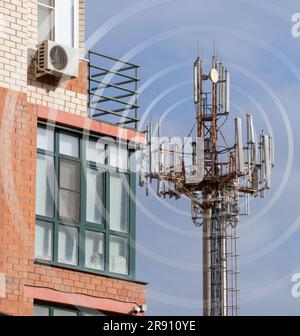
(215, 177)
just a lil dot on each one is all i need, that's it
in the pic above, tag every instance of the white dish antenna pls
(214, 75)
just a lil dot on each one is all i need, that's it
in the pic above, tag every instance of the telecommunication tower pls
(215, 177)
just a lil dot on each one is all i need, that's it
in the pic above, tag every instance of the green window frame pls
(99, 233)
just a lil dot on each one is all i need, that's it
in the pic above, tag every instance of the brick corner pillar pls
(18, 120)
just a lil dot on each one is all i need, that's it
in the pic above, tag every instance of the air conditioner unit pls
(56, 59)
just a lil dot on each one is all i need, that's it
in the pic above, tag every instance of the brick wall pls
(13, 44)
(18, 40)
(18, 122)
(94, 285)
(17, 198)
(67, 95)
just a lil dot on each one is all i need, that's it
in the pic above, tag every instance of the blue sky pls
(255, 42)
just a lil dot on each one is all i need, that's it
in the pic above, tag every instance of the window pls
(44, 239)
(68, 145)
(43, 309)
(119, 202)
(94, 250)
(46, 20)
(58, 21)
(45, 185)
(45, 139)
(118, 258)
(83, 204)
(64, 22)
(64, 312)
(68, 245)
(69, 190)
(95, 151)
(40, 311)
(118, 157)
(94, 197)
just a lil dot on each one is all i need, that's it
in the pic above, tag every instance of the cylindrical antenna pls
(254, 179)
(158, 146)
(250, 145)
(227, 103)
(171, 156)
(164, 157)
(267, 161)
(221, 87)
(177, 164)
(150, 150)
(196, 83)
(160, 158)
(239, 146)
(142, 167)
(272, 150)
(250, 129)
(262, 165)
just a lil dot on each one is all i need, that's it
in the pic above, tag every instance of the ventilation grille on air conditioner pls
(41, 57)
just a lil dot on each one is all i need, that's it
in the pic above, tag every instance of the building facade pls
(67, 209)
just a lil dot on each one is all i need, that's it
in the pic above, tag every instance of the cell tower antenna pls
(214, 176)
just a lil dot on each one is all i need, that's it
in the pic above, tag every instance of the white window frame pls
(75, 22)
(40, 4)
(76, 25)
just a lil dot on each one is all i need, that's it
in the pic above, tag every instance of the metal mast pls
(215, 178)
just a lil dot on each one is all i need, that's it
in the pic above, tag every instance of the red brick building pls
(67, 210)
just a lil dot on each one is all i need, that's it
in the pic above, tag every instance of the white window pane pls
(119, 202)
(68, 145)
(44, 185)
(43, 240)
(64, 22)
(68, 245)
(118, 157)
(45, 23)
(94, 250)
(63, 312)
(118, 255)
(94, 197)
(40, 311)
(45, 139)
(95, 151)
